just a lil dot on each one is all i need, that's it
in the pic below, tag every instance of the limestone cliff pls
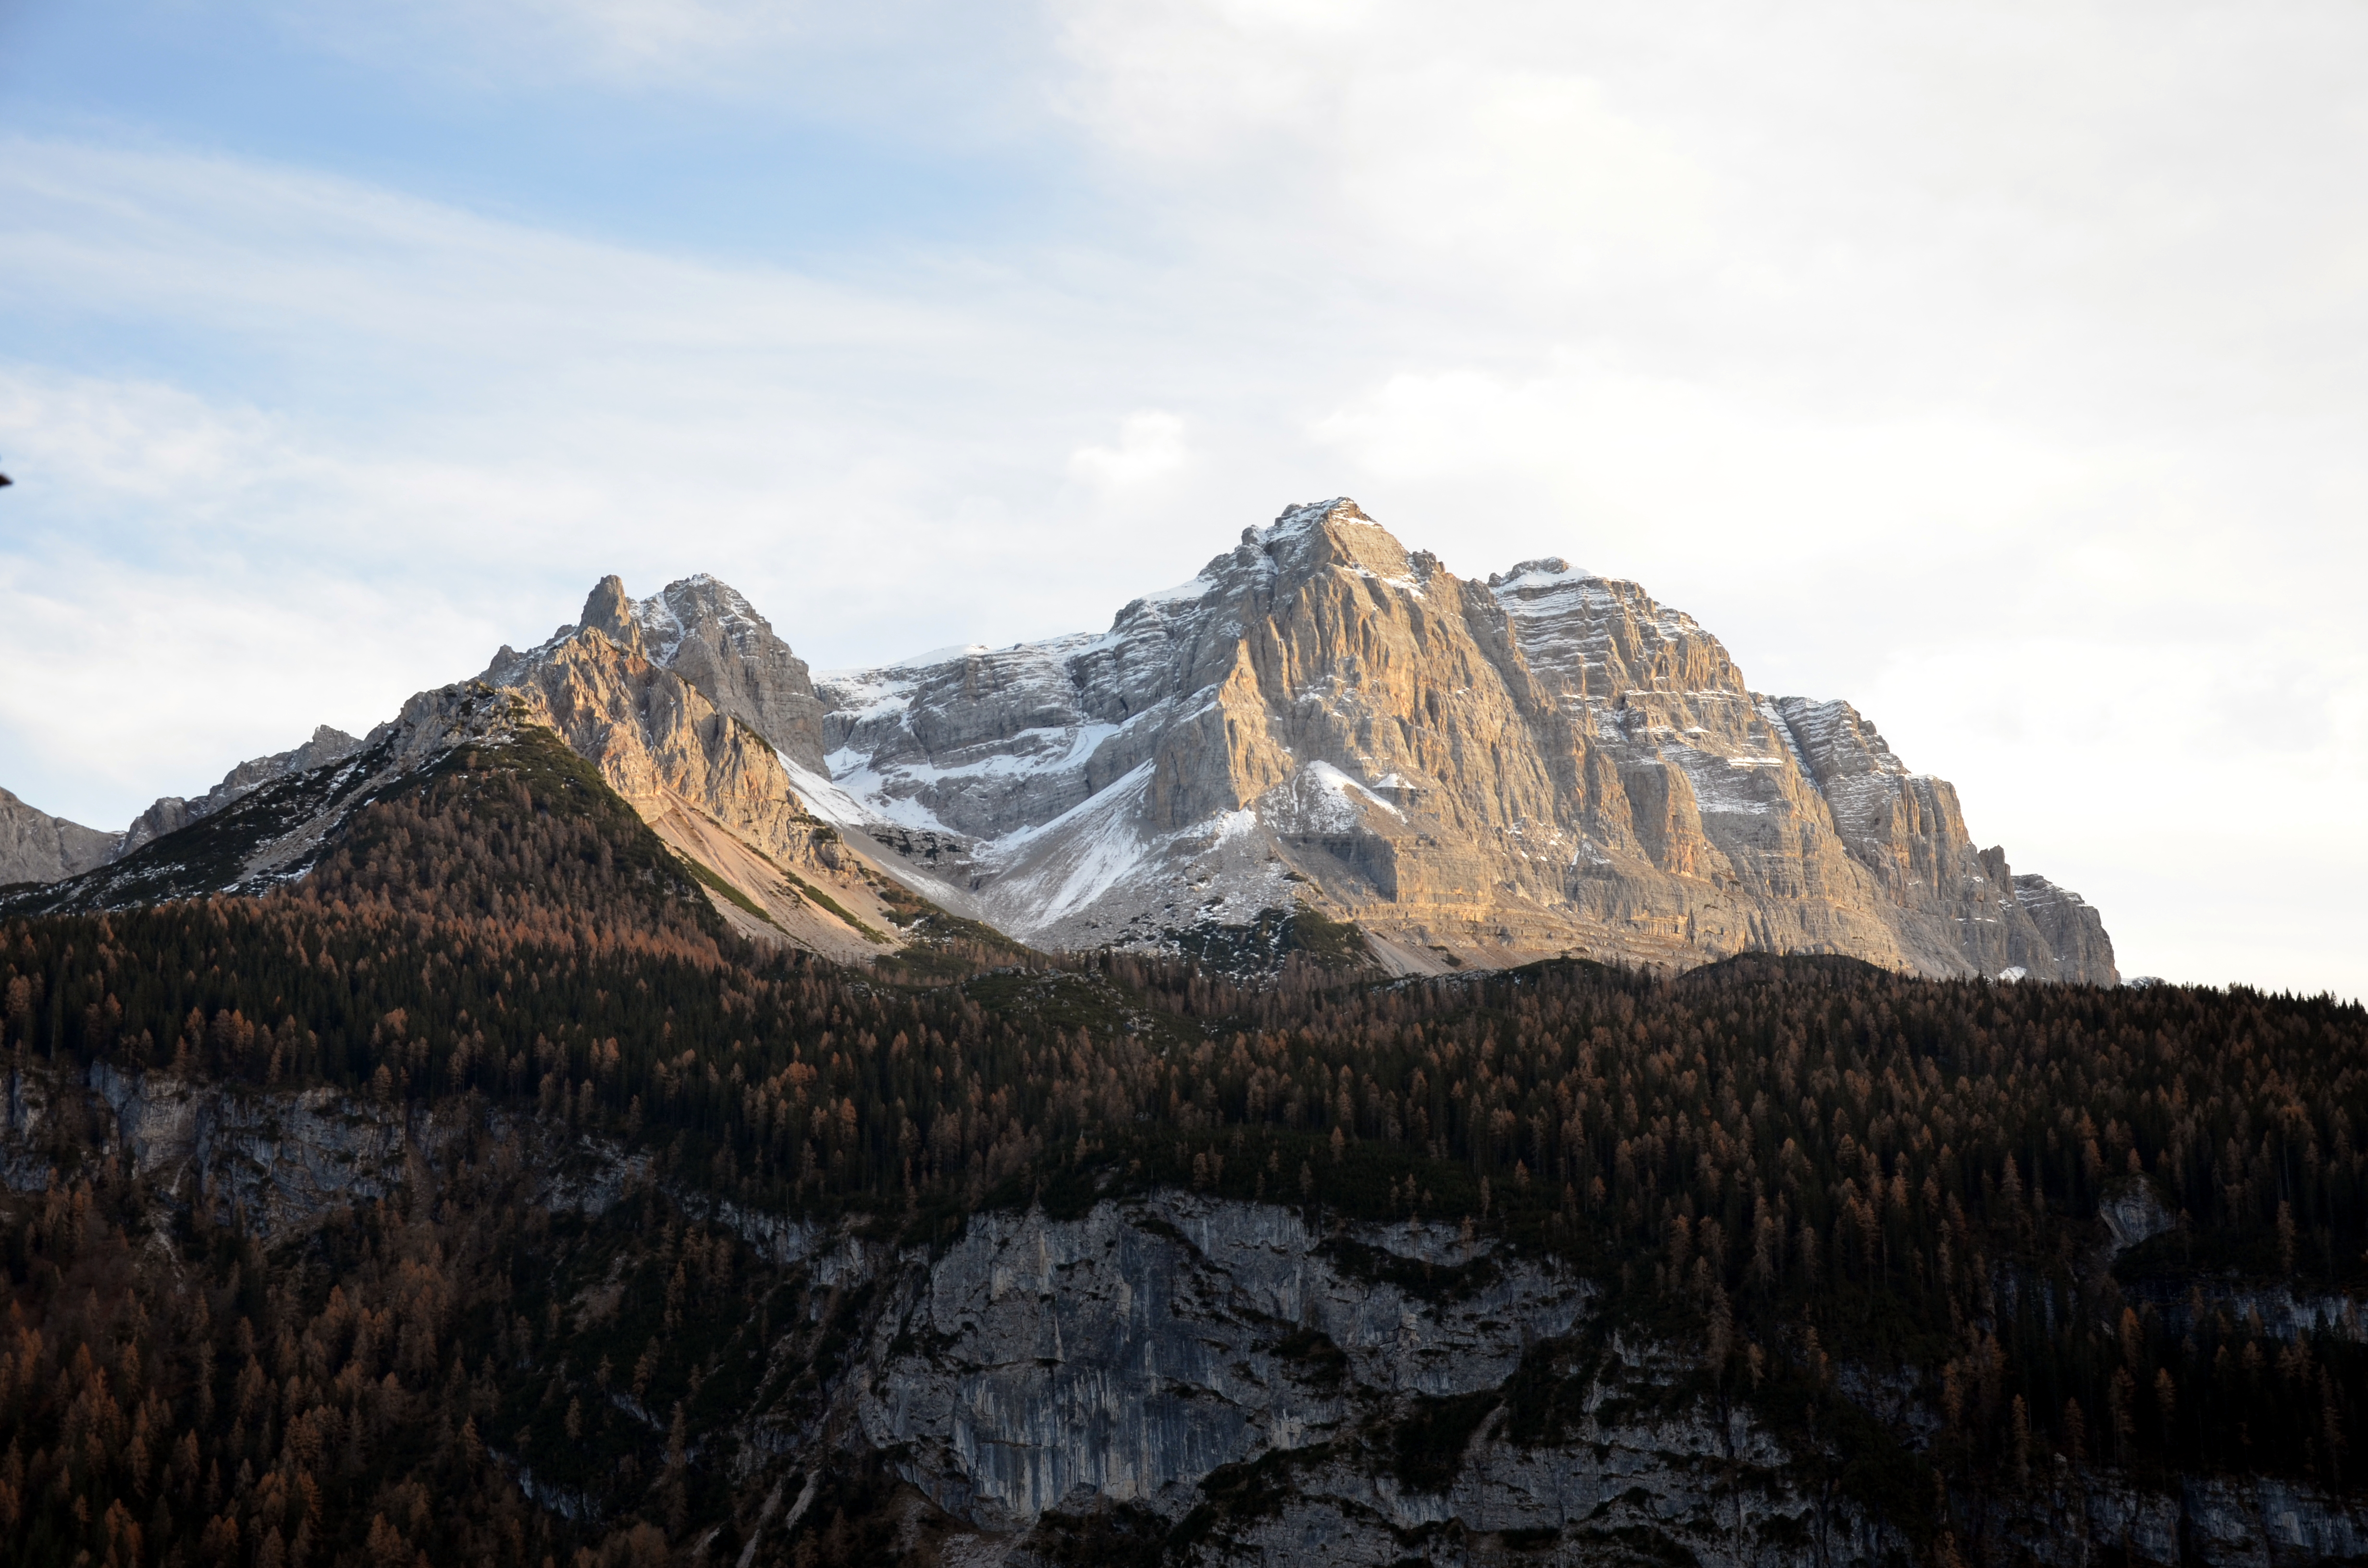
(1546, 763)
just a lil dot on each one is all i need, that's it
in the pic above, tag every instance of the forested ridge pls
(1813, 1172)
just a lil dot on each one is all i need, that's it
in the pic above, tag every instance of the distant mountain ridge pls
(38, 848)
(1320, 729)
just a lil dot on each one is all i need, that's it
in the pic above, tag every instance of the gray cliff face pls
(1547, 762)
(38, 848)
(1239, 1379)
(1129, 1355)
(707, 633)
(2071, 929)
(1126, 1355)
(276, 1163)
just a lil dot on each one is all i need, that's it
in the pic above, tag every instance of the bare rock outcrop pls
(701, 630)
(1548, 762)
(38, 848)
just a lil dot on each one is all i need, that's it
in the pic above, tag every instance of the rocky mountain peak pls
(1545, 566)
(38, 848)
(705, 630)
(1305, 538)
(1322, 722)
(608, 610)
(699, 604)
(172, 813)
(1548, 761)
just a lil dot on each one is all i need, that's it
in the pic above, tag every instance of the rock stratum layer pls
(1546, 763)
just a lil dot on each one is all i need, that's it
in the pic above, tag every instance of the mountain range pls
(1323, 742)
(1350, 1065)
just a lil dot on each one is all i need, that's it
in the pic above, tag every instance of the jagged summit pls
(1544, 567)
(701, 628)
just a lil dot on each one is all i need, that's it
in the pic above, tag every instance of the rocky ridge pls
(704, 631)
(710, 764)
(38, 848)
(1546, 763)
(712, 786)
(172, 813)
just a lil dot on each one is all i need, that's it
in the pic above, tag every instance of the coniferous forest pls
(2083, 1230)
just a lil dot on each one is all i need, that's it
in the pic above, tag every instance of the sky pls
(2001, 368)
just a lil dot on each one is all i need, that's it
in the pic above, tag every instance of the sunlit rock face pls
(701, 629)
(694, 759)
(1547, 762)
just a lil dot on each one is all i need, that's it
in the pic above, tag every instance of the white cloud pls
(1398, 141)
(1150, 449)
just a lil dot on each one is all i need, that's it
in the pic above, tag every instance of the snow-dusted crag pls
(704, 631)
(172, 813)
(1548, 762)
(700, 716)
(274, 830)
(712, 778)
